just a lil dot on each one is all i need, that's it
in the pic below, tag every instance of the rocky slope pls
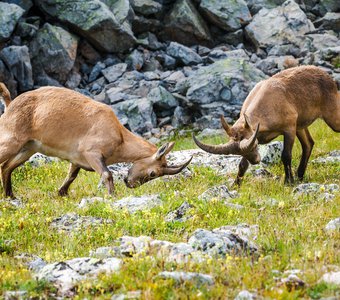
(162, 63)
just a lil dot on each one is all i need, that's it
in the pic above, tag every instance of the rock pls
(135, 60)
(15, 295)
(332, 157)
(290, 22)
(271, 153)
(220, 242)
(181, 277)
(13, 203)
(65, 275)
(218, 54)
(256, 5)
(146, 7)
(18, 61)
(164, 103)
(24, 4)
(179, 214)
(331, 278)
(150, 41)
(262, 173)
(314, 188)
(38, 160)
(93, 20)
(33, 262)
(184, 25)
(331, 21)
(333, 225)
(182, 116)
(137, 114)
(293, 282)
(183, 54)
(330, 5)
(9, 16)
(206, 88)
(53, 51)
(220, 192)
(114, 72)
(96, 71)
(134, 204)
(226, 14)
(245, 295)
(74, 222)
(121, 9)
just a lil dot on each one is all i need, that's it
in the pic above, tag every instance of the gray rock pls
(121, 9)
(135, 60)
(271, 153)
(38, 160)
(9, 16)
(330, 5)
(24, 4)
(181, 277)
(220, 242)
(183, 54)
(182, 116)
(331, 21)
(146, 7)
(114, 72)
(226, 14)
(33, 262)
(138, 114)
(14, 203)
(315, 188)
(332, 157)
(179, 214)
(256, 5)
(164, 103)
(333, 225)
(105, 252)
(65, 275)
(74, 222)
(150, 41)
(245, 295)
(54, 51)
(184, 24)
(331, 278)
(220, 192)
(18, 61)
(218, 54)
(96, 71)
(293, 282)
(15, 295)
(290, 21)
(133, 204)
(93, 20)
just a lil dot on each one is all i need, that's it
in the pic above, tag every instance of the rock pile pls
(161, 63)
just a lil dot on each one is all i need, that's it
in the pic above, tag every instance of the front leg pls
(71, 176)
(286, 157)
(97, 163)
(242, 168)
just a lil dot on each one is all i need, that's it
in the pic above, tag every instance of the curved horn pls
(229, 148)
(225, 125)
(248, 144)
(177, 169)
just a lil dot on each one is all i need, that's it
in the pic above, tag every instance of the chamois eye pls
(152, 174)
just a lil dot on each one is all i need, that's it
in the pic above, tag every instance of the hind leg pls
(8, 167)
(288, 142)
(72, 175)
(307, 144)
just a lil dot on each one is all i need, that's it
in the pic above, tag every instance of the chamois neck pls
(135, 148)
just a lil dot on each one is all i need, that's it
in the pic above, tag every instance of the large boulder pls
(221, 88)
(290, 21)
(54, 51)
(93, 20)
(185, 25)
(121, 9)
(18, 61)
(25, 4)
(229, 15)
(9, 16)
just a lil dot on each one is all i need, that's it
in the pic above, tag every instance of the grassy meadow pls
(291, 234)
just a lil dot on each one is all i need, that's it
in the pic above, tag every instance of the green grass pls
(291, 234)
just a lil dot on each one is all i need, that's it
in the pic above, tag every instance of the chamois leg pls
(71, 176)
(307, 144)
(242, 168)
(8, 167)
(97, 163)
(287, 156)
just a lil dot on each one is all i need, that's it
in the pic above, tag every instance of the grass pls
(291, 234)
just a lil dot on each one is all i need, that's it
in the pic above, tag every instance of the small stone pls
(15, 295)
(333, 225)
(183, 54)
(179, 214)
(331, 278)
(293, 282)
(134, 204)
(180, 277)
(245, 295)
(220, 192)
(114, 72)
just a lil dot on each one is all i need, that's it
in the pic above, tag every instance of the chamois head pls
(243, 141)
(152, 167)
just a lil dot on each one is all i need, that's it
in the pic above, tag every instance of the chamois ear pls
(164, 150)
(246, 123)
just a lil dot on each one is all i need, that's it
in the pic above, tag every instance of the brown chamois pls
(66, 124)
(285, 104)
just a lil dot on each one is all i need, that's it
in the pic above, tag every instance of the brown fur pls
(63, 123)
(286, 104)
